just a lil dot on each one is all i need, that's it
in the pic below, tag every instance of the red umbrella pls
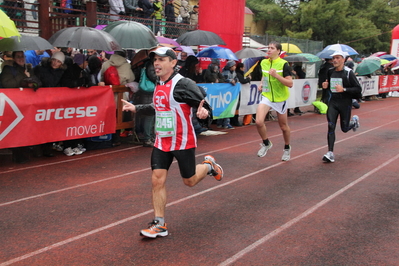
(378, 54)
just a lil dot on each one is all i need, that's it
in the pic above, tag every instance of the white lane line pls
(303, 215)
(238, 255)
(75, 158)
(73, 187)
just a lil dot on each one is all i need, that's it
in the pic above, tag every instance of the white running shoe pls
(286, 154)
(69, 151)
(263, 149)
(77, 151)
(329, 157)
(355, 122)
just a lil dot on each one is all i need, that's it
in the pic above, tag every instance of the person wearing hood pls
(125, 74)
(92, 71)
(212, 73)
(119, 61)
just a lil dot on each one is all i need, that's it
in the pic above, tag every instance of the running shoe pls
(329, 157)
(355, 122)
(80, 146)
(286, 154)
(69, 151)
(217, 170)
(57, 147)
(228, 126)
(77, 151)
(263, 149)
(154, 229)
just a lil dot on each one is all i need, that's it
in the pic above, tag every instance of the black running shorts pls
(185, 159)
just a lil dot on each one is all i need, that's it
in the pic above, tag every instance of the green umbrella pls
(368, 66)
(7, 26)
(132, 35)
(311, 58)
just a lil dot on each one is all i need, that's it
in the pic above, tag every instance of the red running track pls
(89, 209)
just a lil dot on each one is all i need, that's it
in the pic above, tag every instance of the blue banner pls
(223, 97)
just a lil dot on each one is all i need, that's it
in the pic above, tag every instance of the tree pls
(365, 25)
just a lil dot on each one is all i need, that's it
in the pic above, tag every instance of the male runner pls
(341, 86)
(276, 78)
(174, 99)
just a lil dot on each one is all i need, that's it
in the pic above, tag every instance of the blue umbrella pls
(330, 49)
(342, 47)
(217, 52)
(388, 57)
(325, 54)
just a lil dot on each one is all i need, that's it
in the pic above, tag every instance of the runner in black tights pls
(341, 86)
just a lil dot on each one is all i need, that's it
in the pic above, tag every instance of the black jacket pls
(48, 76)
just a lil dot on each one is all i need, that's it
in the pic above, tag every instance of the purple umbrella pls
(165, 40)
(100, 27)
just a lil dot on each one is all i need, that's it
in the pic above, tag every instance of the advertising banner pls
(302, 93)
(369, 85)
(223, 97)
(54, 114)
(388, 83)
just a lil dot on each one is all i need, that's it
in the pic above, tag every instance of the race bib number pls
(333, 82)
(165, 124)
(265, 84)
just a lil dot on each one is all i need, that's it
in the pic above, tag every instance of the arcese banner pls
(54, 114)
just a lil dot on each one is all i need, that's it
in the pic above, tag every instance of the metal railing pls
(26, 17)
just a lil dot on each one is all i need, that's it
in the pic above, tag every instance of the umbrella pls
(163, 40)
(24, 43)
(7, 26)
(311, 58)
(217, 52)
(84, 38)
(296, 58)
(384, 61)
(328, 53)
(394, 65)
(200, 37)
(339, 47)
(388, 57)
(132, 35)
(100, 27)
(187, 49)
(377, 54)
(249, 53)
(291, 48)
(368, 66)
